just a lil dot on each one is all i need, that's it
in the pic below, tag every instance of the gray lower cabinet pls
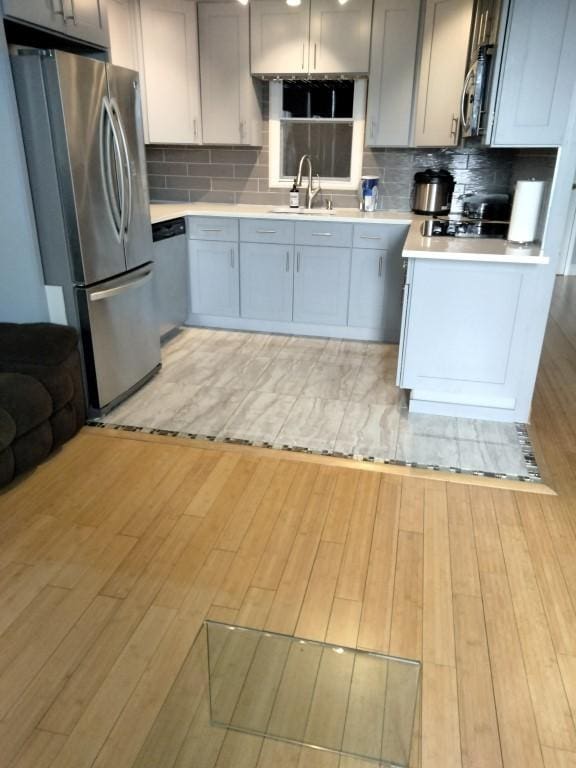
(375, 292)
(214, 278)
(321, 283)
(464, 336)
(266, 281)
(79, 19)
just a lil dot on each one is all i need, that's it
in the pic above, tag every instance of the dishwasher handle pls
(164, 230)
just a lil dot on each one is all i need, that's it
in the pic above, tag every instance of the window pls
(320, 118)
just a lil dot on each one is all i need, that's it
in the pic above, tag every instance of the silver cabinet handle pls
(287, 261)
(232, 258)
(71, 14)
(322, 234)
(454, 126)
(298, 261)
(373, 129)
(303, 51)
(58, 7)
(315, 47)
(465, 125)
(210, 229)
(109, 292)
(195, 128)
(266, 231)
(370, 237)
(380, 267)
(241, 131)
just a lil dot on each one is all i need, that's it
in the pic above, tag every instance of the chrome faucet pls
(310, 193)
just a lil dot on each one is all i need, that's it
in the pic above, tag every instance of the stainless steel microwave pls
(473, 105)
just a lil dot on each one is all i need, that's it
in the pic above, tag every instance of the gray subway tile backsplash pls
(240, 175)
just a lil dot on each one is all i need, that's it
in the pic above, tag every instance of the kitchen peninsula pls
(462, 323)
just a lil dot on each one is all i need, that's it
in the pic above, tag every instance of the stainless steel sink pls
(302, 211)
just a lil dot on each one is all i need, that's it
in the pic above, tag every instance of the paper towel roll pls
(525, 211)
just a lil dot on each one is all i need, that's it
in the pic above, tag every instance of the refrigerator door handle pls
(107, 293)
(125, 165)
(109, 141)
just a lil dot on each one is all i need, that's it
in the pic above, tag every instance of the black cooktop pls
(466, 228)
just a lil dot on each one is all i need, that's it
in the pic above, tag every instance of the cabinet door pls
(214, 283)
(230, 108)
(340, 36)
(537, 75)
(123, 32)
(321, 283)
(266, 279)
(81, 19)
(170, 59)
(392, 66)
(89, 20)
(376, 292)
(444, 52)
(49, 14)
(279, 37)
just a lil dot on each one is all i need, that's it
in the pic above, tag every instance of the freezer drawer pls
(120, 335)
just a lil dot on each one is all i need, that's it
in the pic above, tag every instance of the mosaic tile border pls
(532, 469)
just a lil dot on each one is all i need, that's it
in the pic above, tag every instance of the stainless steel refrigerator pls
(82, 127)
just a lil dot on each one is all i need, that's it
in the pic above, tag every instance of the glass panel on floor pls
(310, 693)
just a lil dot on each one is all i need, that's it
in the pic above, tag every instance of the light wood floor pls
(114, 551)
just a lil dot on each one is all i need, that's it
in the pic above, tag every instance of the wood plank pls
(463, 560)
(212, 486)
(40, 750)
(358, 542)
(317, 605)
(274, 558)
(440, 722)
(257, 542)
(516, 720)
(344, 622)
(412, 506)
(479, 735)
(438, 622)
(553, 716)
(406, 627)
(91, 731)
(340, 512)
(557, 601)
(374, 632)
(39, 695)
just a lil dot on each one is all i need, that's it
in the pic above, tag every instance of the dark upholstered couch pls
(41, 393)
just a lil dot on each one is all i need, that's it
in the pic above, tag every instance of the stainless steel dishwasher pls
(170, 275)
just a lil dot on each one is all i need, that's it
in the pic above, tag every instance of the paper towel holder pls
(525, 215)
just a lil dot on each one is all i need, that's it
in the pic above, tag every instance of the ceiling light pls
(293, 2)
(243, 2)
(342, 2)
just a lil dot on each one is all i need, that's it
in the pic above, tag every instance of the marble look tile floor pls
(321, 395)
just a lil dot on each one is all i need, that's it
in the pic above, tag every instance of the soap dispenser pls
(294, 196)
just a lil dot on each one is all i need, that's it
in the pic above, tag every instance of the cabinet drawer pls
(266, 231)
(323, 233)
(373, 235)
(212, 228)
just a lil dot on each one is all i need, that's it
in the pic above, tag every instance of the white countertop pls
(416, 246)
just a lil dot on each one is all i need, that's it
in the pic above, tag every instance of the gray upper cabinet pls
(230, 107)
(279, 37)
(316, 37)
(392, 67)
(123, 27)
(537, 74)
(83, 20)
(170, 71)
(340, 36)
(442, 69)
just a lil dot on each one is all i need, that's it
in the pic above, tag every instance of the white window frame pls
(359, 121)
